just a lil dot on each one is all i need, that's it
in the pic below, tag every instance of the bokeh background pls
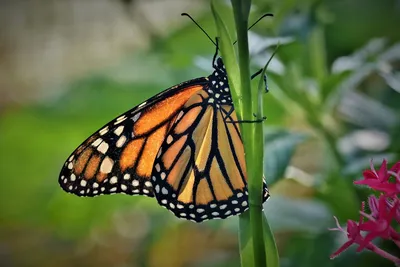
(68, 67)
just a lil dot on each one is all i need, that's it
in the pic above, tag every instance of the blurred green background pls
(68, 67)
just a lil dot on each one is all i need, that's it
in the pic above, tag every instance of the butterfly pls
(182, 146)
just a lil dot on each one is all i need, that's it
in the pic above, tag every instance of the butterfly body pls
(181, 146)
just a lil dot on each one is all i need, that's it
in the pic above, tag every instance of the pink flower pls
(380, 180)
(385, 211)
(353, 234)
(379, 225)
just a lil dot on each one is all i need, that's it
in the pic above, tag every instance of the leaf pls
(279, 148)
(294, 214)
(367, 112)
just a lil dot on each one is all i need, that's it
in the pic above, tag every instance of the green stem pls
(252, 133)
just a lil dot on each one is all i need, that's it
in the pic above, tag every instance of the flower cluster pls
(384, 213)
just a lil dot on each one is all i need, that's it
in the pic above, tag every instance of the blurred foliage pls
(333, 105)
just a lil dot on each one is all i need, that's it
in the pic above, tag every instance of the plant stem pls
(252, 133)
(385, 254)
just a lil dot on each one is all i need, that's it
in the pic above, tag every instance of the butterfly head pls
(219, 66)
(218, 84)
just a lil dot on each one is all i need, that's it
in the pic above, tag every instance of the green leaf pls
(286, 214)
(280, 146)
(228, 55)
(246, 243)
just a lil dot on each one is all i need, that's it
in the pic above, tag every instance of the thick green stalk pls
(252, 134)
(253, 237)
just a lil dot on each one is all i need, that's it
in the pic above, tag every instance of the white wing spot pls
(71, 158)
(164, 191)
(192, 215)
(102, 189)
(169, 139)
(164, 201)
(120, 119)
(180, 115)
(73, 177)
(159, 153)
(158, 168)
(113, 180)
(119, 130)
(146, 191)
(135, 183)
(237, 210)
(95, 192)
(213, 206)
(103, 131)
(223, 206)
(141, 105)
(215, 213)
(97, 142)
(70, 165)
(70, 187)
(179, 206)
(163, 175)
(228, 212)
(211, 100)
(136, 117)
(83, 183)
(226, 89)
(95, 185)
(135, 191)
(157, 188)
(244, 203)
(113, 189)
(106, 165)
(221, 83)
(182, 214)
(121, 141)
(200, 210)
(234, 202)
(103, 147)
(217, 95)
(127, 176)
(239, 194)
(171, 205)
(148, 184)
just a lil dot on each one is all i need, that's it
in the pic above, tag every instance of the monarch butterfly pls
(182, 146)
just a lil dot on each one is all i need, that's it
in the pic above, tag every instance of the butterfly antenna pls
(187, 15)
(252, 25)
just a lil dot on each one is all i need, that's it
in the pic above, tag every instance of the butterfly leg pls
(242, 121)
(249, 121)
(265, 79)
(215, 54)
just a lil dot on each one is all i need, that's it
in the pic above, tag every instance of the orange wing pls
(200, 172)
(119, 158)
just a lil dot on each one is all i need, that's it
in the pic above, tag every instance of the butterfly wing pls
(200, 172)
(119, 157)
